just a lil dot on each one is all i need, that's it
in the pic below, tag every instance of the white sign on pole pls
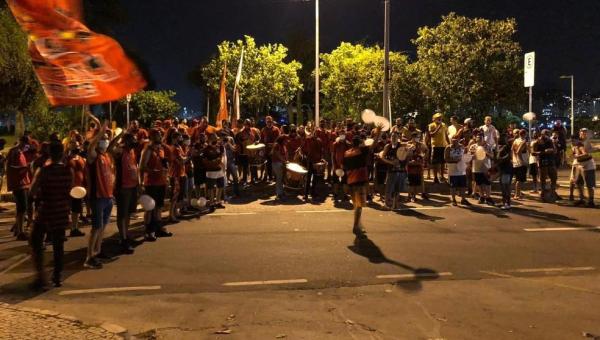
(530, 69)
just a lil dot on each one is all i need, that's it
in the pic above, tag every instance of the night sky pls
(173, 37)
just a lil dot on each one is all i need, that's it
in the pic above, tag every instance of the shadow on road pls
(368, 249)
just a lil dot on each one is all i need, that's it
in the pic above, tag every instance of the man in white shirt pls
(582, 151)
(457, 160)
(490, 133)
(454, 127)
(520, 160)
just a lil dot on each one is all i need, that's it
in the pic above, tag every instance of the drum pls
(256, 153)
(295, 176)
(320, 168)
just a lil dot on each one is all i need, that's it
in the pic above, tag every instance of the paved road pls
(485, 273)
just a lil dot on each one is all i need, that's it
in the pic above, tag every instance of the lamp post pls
(386, 63)
(317, 64)
(572, 102)
(128, 101)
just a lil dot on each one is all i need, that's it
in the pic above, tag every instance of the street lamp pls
(317, 62)
(387, 112)
(572, 102)
(128, 101)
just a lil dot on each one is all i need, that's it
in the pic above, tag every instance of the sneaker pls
(476, 196)
(149, 237)
(92, 264)
(76, 233)
(425, 197)
(126, 248)
(465, 202)
(22, 237)
(219, 206)
(454, 203)
(56, 282)
(103, 256)
(481, 200)
(163, 233)
(571, 198)
(505, 207)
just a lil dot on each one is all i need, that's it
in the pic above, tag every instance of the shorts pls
(157, 192)
(415, 180)
(358, 193)
(212, 183)
(438, 155)
(520, 174)
(199, 176)
(126, 201)
(458, 182)
(533, 170)
(481, 178)
(77, 206)
(101, 210)
(21, 200)
(589, 178)
(395, 182)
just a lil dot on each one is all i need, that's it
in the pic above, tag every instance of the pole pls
(530, 109)
(110, 113)
(572, 106)
(386, 63)
(128, 114)
(317, 62)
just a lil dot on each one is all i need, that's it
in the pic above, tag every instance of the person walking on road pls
(51, 186)
(18, 181)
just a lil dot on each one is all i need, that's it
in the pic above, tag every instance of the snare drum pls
(295, 175)
(256, 153)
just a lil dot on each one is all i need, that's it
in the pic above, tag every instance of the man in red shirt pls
(312, 148)
(18, 181)
(77, 165)
(339, 147)
(324, 135)
(127, 179)
(101, 185)
(294, 143)
(268, 135)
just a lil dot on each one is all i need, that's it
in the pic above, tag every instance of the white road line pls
(414, 276)
(261, 283)
(15, 265)
(551, 270)
(349, 211)
(505, 276)
(108, 290)
(538, 230)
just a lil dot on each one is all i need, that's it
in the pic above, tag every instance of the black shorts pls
(21, 200)
(520, 174)
(458, 182)
(199, 176)
(212, 183)
(76, 206)
(157, 193)
(481, 178)
(533, 170)
(126, 201)
(437, 156)
(415, 180)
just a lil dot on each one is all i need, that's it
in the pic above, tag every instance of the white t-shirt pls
(220, 173)
(490, 135)
(452, 131)
(460, 168)
(589, 164)
(519, 159)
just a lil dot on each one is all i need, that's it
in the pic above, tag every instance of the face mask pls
(103, 145)
(26, 148)
(187, 142)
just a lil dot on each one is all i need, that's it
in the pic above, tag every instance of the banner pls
(223, 112)
(236, 91)
(74, 65)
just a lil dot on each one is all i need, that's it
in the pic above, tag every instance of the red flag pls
(223, 112)
(74, 65)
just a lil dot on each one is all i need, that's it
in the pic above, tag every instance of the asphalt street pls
(492, 273)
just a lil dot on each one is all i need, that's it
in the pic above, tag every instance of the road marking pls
(15, 265)
(108, 290)
(231, 214)
(551, 270)
(348, 211)
(414, 276)
(506, 276)
(261, 283)
(538, 230)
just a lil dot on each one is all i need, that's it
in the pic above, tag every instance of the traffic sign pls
(530, 69)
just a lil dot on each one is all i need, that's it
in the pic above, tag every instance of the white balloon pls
(339, 173)
(147, 203)
(382, 122)
(529, 116)
(202, 202)
(368, 116)
(78, 193)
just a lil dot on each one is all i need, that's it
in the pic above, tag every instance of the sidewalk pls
(29, 323)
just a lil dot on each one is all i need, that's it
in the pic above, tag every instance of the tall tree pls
(470, 66)
(352, 80)
(20, 90)
(267, 78)
(148, 106)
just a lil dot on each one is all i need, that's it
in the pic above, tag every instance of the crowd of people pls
(186, 165)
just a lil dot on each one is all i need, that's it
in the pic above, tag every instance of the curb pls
(108, 327)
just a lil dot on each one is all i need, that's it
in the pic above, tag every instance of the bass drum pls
(295, 176)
